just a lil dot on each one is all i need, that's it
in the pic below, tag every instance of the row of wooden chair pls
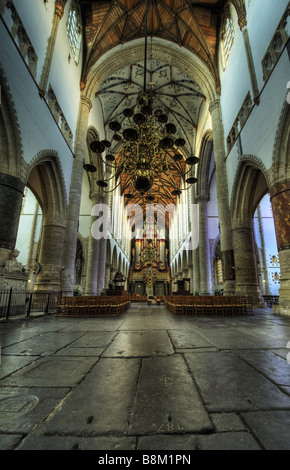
(138, 298)
(271, 300)
(209, 305)
(92, 305)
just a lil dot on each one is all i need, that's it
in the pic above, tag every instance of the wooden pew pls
(92, 306)
(209, 305)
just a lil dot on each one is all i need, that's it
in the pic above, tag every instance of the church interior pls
(144, 224)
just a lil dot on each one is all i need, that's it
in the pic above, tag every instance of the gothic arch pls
(93, 135)
(184, 259)
(206, 149)
(281, 155)
(81, 259)
(108, 252)
(46, 181)
(179, 264)
(114, 258)
(11, 160)
(250, 185)
(119, 264)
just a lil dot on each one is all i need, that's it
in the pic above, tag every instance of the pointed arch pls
(46, 181)
(203, 171)
(114, 258)
(251, 183)
(281, 155)
(11, 158)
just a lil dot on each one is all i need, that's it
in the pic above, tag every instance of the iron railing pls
(16, 303)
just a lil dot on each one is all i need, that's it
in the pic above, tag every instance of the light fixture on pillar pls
(144, 149)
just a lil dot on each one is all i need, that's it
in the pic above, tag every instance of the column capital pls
(59, 8)
(279, 187)
(86, 102)
(98, 198)
(202, 198)
(214, 105)
(242, 20)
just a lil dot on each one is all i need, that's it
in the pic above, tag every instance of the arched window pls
(228, 37)
(73, 30)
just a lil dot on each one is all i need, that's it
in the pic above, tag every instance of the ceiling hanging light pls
(145, 149)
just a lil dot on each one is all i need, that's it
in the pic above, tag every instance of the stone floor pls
(147, 380)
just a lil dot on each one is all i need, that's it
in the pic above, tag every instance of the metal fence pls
(16, 303)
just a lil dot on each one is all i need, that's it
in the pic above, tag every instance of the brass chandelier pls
(144, 150)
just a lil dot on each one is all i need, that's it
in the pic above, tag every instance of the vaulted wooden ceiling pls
(191, 24)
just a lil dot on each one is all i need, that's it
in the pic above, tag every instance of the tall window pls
(74, 33)
(228, 37)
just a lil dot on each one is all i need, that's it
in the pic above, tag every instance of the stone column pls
(72, 221)
(264, 258)
(204, 251)
(173, 285)
(242, 21)
(107, 275)
(196, 270)
(246, 265)
(11, 196)
(191, 276)
(195, 253)
(113, 273)
(102, 264)
(280, 199)
(93, 256)
(58, 14)
(32, 255)
(104, 199)
(227, 254)
(50, 257)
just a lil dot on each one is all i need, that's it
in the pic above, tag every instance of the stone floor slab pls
(43, 344)
(225, 422)
(80, 352)
(94, 339)
(227, 383)
(228, 441)
(102, 402)
(167, 442)
(272, 428)
(23, 408)
(9, 441)
(77, 443)
(269, 364)
(9, 364)
(145, 323)
(52, 372)
(140, 344)
(167, 400)
(95, 324)
(188, 339)
(226, 338)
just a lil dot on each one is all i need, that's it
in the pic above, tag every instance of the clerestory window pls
(228, 37)
(74, 33)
